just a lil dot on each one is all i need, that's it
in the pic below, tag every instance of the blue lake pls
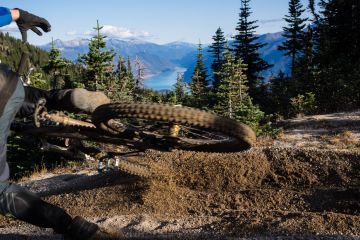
(164, 80)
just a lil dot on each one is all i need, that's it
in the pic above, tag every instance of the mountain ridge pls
(160, 58)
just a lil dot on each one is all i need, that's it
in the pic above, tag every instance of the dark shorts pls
(10, 110)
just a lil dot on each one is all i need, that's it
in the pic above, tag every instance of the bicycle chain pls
(124, 165)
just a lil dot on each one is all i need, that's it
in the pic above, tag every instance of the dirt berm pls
(264, 193)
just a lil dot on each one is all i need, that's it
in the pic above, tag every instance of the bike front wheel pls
(179, 127)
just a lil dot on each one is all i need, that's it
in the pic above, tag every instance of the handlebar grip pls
(22, 64)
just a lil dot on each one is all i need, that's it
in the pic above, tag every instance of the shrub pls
(303, 104)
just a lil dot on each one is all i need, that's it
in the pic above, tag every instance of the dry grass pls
(264, 141)
(345, 139)
(39, 171)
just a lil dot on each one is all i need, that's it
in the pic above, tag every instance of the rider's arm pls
(5, 16)
(24, 21)
(8, 15)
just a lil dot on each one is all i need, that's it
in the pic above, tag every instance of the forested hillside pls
(11, 50)
(40, 67)
(320, 39)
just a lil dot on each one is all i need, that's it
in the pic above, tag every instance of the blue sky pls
(159, 21)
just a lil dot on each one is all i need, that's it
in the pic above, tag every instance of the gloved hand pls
(28, 21)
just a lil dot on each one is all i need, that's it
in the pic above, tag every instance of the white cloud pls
(10, 28)
(114, 32)
(266, 21)
(72, 33)
(121, 32)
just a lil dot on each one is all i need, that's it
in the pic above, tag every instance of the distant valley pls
(163, 61)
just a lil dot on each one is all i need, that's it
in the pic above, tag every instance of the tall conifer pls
(233, 88)
(199, 84)
(246, 47)
(98, 62)
(294, 44)
(217, 48)
(55, 67)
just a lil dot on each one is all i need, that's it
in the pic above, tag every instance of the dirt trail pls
(262, 193)
(329, 131)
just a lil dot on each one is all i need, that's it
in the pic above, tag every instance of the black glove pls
(28, 21)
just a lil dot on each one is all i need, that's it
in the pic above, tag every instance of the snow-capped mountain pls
(156, 58)
(172, 56)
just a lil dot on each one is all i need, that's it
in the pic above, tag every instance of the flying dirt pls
(268, 192)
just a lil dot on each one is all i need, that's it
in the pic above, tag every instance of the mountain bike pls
(140, 126)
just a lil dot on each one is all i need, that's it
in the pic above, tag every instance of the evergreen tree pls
(10, 54)
(12, 48)
(179, 91)
(55, 67)
(129, 69)
(312, 9)
(247, 48)
(38, 81)
(123, 84)
(342, 29)
(338, 57)
(199, 83)
(232, 98)
(98, 62)
(305, 63)
(121, 71)
(233, 89)
(139, 91)
(294, 44)
(217, 48)
(118, 86)
(280, 93)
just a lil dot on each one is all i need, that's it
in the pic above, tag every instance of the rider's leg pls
(8, 115)
(77, 100)
(24, 205)
(17, 202)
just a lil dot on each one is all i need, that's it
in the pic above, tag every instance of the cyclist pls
(15, 200)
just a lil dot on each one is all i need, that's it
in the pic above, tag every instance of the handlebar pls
(22, 64)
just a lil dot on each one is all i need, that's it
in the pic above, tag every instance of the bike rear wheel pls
(201, 130)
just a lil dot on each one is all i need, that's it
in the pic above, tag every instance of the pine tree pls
(340, 28)
(280, 93)
(232, 98)
(338, 57)
(55, 67)
(217, 48)
(247, 48)
(123, 85)
(199, 83)
(121, 71)
(305, 66)
(294, 44)
(179, 89)
(233, 89)
(129, 69)
(98, 62)
(139, 93)
(38, 81)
